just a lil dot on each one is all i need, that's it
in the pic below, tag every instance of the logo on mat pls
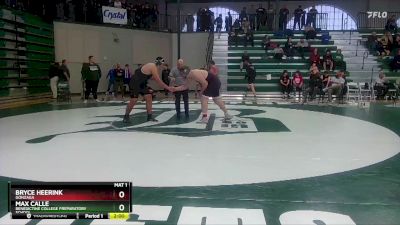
(246, 121)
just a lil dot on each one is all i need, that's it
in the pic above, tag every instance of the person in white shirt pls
(381, 86)
(336, 86)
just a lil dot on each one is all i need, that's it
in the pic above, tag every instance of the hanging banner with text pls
(114, 15)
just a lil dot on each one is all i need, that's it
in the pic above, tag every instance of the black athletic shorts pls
(214, 84)
(251, 79)
(138, 84)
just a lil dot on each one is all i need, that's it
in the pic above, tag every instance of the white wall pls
(76, 42)
(193, 49)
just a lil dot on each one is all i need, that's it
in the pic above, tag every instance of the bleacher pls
(26, 51)
(265, 64)
(385, 61)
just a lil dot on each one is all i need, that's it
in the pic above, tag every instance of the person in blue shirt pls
(111, 80)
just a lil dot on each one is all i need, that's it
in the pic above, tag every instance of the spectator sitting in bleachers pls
(233, 38)
(395, 63)
(328, 62)
(265, 43)
(310, 32)
(336, 85)
(314, 69)
(391, 25)
(381, 86)
(289, 48)
(326, 78)
(278, 52)
(396, 42)
(297, 82)
(301, 47)
(249, 38)
(315, 82)
(372, 41)
(285, 84)
(245, 25)
(314, 57)
(383, 47)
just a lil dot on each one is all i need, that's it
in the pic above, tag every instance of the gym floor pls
(273, 163)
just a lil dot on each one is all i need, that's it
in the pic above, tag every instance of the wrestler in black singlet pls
(138, 84)
(214, 84)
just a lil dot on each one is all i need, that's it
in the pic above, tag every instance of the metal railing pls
(366, 54)
(363, 22)
(210, 47)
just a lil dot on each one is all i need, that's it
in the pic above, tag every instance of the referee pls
(178, 77)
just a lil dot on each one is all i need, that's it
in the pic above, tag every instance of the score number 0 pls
(121, 194)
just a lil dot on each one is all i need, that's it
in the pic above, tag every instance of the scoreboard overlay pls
(70, 200)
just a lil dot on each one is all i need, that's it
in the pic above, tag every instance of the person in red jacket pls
(297, 83)
(314, 57)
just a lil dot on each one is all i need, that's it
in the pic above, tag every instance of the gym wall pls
(75, 42)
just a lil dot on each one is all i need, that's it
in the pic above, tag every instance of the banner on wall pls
(114, 15)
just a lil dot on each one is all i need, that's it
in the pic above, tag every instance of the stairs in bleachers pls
(228, 59)
(381, 63)
(354, 51)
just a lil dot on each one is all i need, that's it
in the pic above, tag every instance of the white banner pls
(114, 15)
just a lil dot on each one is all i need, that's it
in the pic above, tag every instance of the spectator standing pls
(218, 21)
(127, 75)
(283, 17)
(190, 22)
(66, 75)
(119, 80)
(298, 14)
(252, 17)
(228, 22)
(260, 16)
(111, 81)
(91, 74)
(270, 17)
(312, 17)
(54, 74)
(243, 14)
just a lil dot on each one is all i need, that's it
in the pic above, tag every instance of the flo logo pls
(245, 121)
(380, 15)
